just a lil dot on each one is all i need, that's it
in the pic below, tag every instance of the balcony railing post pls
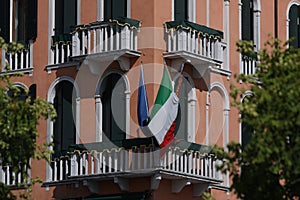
(74, 164)
(3, 61)
(2, 175)
(75, 44)
(30, 58)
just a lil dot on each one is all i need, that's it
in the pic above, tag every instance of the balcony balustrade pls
(94, 38)
(20, 60)
(11, 178)
(115, 161)
(194, 41)
(248, 66)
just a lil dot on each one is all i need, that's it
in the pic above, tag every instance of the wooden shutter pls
(70, 14)
(65, 15)
(64, 126)
(119, 8)
(294, 26)
(4, 20)
(32, 20)
(114, 9)
(247, 20)
(180, 10)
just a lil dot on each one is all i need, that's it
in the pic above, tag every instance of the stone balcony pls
(202, 45)
(18, 61)
(95, 162)
(111, 40)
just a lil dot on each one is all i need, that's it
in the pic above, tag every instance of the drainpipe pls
(276, 18)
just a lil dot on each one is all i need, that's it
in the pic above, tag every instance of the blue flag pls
(142, 109)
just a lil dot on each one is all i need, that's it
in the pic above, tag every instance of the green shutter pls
(4, 19)
(113, 100)
(293, 26)
(247, 20)
(64, 126)
(65, 16)
(119, 8)
(180, 10)
(31, 20)
(114, 9)
(68, 128)
(107, 9)
(70, 14)
(59, 23)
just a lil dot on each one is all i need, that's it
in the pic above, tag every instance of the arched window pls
(112, 93)
(294, 31)
(64, 125)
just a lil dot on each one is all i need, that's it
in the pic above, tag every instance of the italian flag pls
(164, 112)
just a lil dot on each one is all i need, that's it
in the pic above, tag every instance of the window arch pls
(293, 24)
(220, 90)
(64, 95)
(112, 107)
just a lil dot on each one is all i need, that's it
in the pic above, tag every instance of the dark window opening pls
(65, 16)
(245, 127)
(114, 9)
(64, 125)
(180, 10)
(113, 108)
(247, 20)
(24, 20)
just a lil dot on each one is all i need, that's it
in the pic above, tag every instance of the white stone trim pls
(219, 87)
(11, 20)
(226, 27)
(78, 12)
(21, 85)
(207, 12)
(192, 10)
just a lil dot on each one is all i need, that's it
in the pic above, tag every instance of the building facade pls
(84, 57)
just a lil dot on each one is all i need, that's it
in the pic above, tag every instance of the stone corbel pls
(124, 62)
(94, 187)
(155, 181)
(123, 183)
(178, 185)
(198, 189)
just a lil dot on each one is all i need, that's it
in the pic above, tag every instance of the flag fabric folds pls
(164, 112)
(142, 110)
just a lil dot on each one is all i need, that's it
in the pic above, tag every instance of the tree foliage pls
(268, 167)
(19, 117)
